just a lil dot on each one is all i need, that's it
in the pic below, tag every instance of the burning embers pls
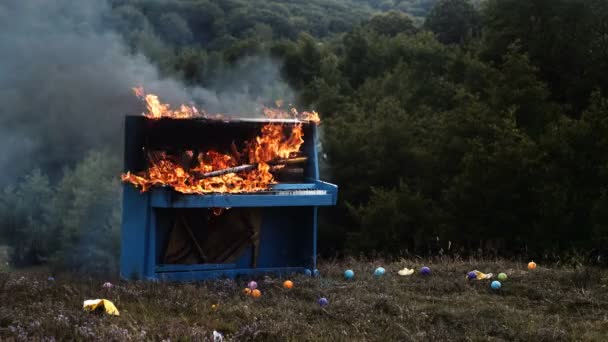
(250, 168)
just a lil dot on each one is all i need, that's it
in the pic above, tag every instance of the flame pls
(271, 144)
(157, 109)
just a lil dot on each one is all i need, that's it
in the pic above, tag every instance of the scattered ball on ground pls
(472, 275)
(379, 272)
(496, 285)
(323, 301)
(252, 285)
(256, 293)
(247, 291)
(531, 265)
(425, 270)
(316, 272)
(502, 276)
(50, 279)
(214, 306)
(348, 274)
(107, 285)
(308, 272)
(287, 284)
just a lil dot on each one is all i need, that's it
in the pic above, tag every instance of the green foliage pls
(74, 225)
(391, 23)
(453, 21)
(565, 39)
(483, 145)
(87, 215)
(22, 215)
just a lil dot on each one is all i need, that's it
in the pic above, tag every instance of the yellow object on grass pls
(406, 272)
(94, 304)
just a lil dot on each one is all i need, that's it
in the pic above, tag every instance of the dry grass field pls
(551, 303)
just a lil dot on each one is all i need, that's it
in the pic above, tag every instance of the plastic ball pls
(425, 270)
(502, 276)
(107, 285)
(496, 285)
(252, 285)
(256, 293)
(316, 273)
(349, 274)
(247, 291)
(214, 307)
(531, 265)
(308, 272)
(51, 279)
(379, 272)
(472, 275)
(288, 284)
(323, 302)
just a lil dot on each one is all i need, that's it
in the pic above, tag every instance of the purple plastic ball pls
(323, 302)
(472, 275)
(252, 285)
(425, 271)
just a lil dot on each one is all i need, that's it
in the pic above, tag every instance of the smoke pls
(66, 79)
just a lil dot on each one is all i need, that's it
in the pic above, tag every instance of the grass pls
(548, 304)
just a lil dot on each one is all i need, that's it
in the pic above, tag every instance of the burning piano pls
(207, 196)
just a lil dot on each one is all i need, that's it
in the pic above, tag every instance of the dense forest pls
(451, 126)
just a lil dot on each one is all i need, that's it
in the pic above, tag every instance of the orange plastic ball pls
(288, 284)
(247, 291)
(531, 265)
(256, 293)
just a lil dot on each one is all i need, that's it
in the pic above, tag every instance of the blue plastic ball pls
(471, 275)
(425, 271)
(496, 285)
(323, 302)
(308, 272)
(348, 274)
(316, 272)
(379, 272)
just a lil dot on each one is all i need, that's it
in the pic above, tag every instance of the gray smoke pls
(66, 79)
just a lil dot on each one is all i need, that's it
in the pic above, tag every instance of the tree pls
(23, 222)
(391, 23)
(175, 29)
(453, 21)
(564, 39)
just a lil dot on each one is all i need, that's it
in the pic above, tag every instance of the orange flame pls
(157, 110)
(270, 144)
(165, 170)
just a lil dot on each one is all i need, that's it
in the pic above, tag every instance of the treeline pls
(200, 40)
(483, 127)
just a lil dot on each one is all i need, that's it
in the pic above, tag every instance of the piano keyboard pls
(301, 192)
